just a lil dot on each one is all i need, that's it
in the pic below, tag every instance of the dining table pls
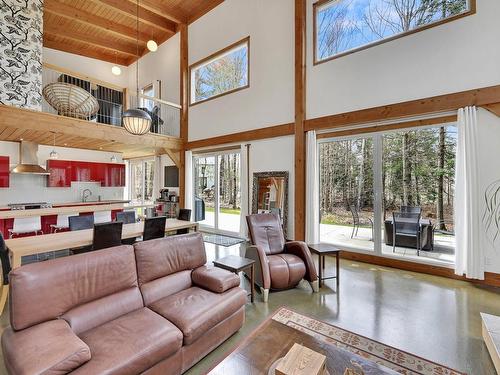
(45, 243)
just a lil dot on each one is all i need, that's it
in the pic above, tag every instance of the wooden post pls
(184, 82)
(300, 109)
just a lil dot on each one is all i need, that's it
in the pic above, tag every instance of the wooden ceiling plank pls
(93, 40)
(162, 9)
(129, 9)
(86, 18)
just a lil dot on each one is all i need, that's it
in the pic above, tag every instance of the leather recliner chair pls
(279, 264)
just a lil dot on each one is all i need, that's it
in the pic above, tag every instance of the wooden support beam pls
(300, 109)
(106, 25)
(162, 9)
(146, 16)
(493, 108)
(92, 40)
(49, 42)
(184, 90)
(441, 103)
(246, 136)
(174, 156)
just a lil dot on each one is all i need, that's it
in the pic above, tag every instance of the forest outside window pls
(345, 26)
(222, 73)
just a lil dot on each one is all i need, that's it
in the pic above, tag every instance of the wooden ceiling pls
(106, 29)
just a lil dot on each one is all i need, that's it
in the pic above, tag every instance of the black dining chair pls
(406, 226)
(6, 268)
(107, 235)
(154, 227)
(126, 217)
(81, 223)
(184, 215)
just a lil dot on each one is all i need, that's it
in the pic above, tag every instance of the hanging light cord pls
(137, 53)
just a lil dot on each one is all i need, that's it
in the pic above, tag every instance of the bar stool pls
(102, 217)
(62, 223)
(25, 225)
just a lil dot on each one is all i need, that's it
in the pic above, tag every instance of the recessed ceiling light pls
(116, 70)
(21, 139)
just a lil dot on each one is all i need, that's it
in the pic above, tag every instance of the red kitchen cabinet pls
(4, 171)
(60, 173)
(81, 171)
(115, 175)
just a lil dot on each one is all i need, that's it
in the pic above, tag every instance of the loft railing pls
(111, 101)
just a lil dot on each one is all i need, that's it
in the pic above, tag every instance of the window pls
(141, 180)
(365, 180)
(221, 73)
(345, 26)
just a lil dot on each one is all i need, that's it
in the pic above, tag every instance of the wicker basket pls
(70, 100)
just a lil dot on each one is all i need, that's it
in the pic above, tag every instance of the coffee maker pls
(164, 195)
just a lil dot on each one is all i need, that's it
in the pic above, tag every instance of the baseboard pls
(490, 278)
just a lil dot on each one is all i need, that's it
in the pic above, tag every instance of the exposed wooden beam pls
(162, 9)
(300, 115)
(57, 8)
(493, 108)
(207, 6)
(49, 42)
(174, 156)
(246, 136)
(91, 40)
(129, 9)
(184, 96)
(387, 127)
(441, 103)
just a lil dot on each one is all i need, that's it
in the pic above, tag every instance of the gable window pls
(224, 72)
(345, 26)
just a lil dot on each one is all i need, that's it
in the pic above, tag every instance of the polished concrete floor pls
(430, 316)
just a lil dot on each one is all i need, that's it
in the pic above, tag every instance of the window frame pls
(213, 56)
(319, 3)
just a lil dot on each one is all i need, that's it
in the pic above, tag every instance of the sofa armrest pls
(262, 275)
(214, 279)
(301, 250)
(46, 348)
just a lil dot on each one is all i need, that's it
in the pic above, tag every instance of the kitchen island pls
(49, 215)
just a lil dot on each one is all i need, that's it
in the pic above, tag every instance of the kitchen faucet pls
(85, 194)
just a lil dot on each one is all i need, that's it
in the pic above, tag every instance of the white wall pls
(270, 98)
(489, 172)
(164, 65)
(94, 68)
(456, 56)
(33, 188)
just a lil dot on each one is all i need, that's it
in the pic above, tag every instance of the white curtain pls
(312, 189)
(157, 182)
(188, 182)
(469, 250)
(244, 191)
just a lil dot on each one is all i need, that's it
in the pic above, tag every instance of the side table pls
(326, 249)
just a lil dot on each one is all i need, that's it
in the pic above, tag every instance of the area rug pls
(221, 240)
(395, 359)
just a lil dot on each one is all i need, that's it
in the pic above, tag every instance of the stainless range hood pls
(28, 160)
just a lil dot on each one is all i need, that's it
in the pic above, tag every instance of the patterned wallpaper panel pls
(21, 28)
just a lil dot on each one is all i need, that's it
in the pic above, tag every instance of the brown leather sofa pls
(279, 264)
(154, 308)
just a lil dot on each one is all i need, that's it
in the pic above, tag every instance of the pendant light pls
(151, 44)
(135, 120)
(54, 154)
(116, 70)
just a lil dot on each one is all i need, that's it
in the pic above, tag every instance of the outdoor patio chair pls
(357, 221)
(406, 225)
(411, 209)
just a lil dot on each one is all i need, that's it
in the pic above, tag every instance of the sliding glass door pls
(366, 180)
(217, 189)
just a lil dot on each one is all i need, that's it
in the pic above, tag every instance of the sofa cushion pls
(215, 279)
(49, 348)
(194, 311)
(286, 270)
(165, 286)
(58, 285)
(165, 256)
(130, 344)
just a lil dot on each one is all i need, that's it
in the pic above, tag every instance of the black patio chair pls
(357, 221)
(406, 225)
(411, 209)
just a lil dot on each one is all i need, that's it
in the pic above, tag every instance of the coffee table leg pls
(337, 266)
(320, 270)
(252, 287)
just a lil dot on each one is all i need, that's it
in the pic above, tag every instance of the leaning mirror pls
(270, 194)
